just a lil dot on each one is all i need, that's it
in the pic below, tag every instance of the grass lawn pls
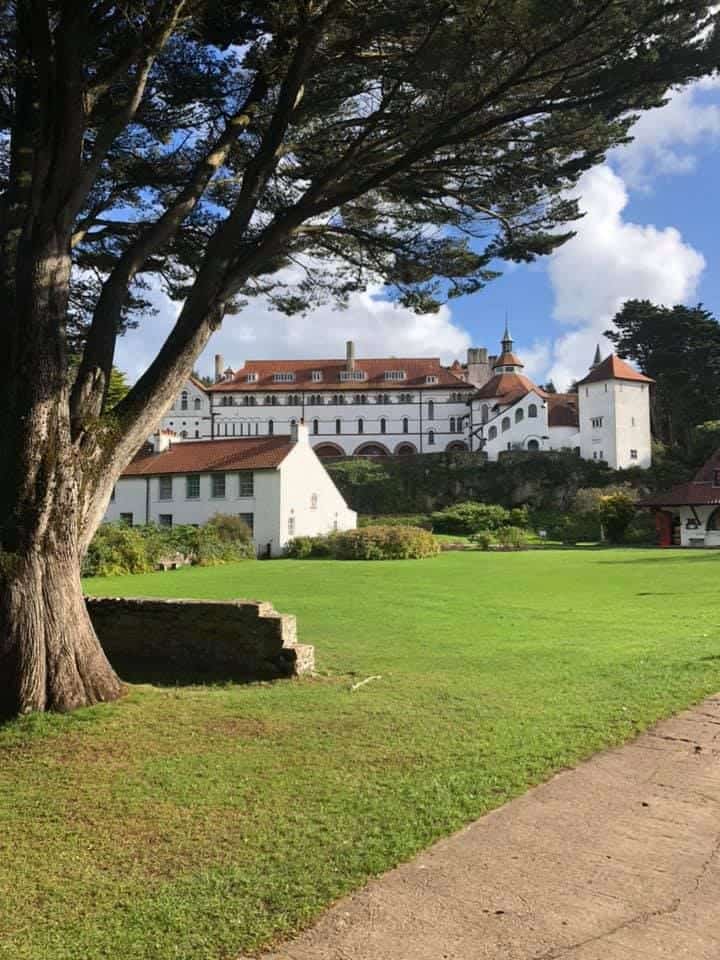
(195, 822)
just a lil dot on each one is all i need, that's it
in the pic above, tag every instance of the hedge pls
(368, 543)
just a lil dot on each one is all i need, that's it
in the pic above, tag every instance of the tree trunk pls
(50, 658)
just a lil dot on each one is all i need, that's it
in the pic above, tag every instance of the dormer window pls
(395, 375)
(431, 378)
(354, 375)
(251, 378)
(316, 376)
(283, 377)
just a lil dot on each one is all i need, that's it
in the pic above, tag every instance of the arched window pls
(492, 433)
(316, 427)
(271, 427)
(361, 425)
(532, 410)
(714, 520)
(505, 424)
(383, 425)
(431, 436)
(197, 402)
(293, 422)
(338, 426)
(519, 415)
(406, 425)
(452, 424)
(484, 413)
(184, 400)
(533, 445)
(431, 409)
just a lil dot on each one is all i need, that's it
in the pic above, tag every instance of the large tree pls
(204, 145)
(679, 347)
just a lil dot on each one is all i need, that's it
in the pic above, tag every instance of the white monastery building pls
(688, 515)
(275, 484)
(403, 406)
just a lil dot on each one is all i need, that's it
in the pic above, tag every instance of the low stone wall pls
(235, 639)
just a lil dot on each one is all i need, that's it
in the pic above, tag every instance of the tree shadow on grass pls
(161, 673)
(673, 558)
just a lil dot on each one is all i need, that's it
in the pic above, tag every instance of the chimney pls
(162, 440)
(219, 364)
(479, 369)
(350, 355)
(299, 432)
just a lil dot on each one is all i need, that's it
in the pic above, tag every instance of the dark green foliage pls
(368, 543)
(513, 538)
(397, 520)
(229, 528)
(616, 512)
(117, 548)
(679, 347)
(470, 517)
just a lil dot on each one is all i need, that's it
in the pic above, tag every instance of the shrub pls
(116, 549)
(513, 538)
(230, 528)
(367, 543)
(470, 517)
(484, 539)
(385, 543)
(616, 512)
(397, 520)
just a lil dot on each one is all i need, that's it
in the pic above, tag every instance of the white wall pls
(520, 432)
(624, 407)
(711, 538)
(241, 420)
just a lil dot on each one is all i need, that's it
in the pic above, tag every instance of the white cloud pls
(609, 261)
(663, 138)
(537, 358)
(378, 328)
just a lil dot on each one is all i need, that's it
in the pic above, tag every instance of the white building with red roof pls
(352, 406)
(607, 419)
(277, 485)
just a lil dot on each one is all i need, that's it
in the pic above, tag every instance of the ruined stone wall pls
(235, 639)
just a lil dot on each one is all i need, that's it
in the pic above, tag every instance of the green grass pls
(195, 822)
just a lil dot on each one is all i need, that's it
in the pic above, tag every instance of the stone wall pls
(237, 639)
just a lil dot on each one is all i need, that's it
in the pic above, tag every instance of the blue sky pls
(651, 231)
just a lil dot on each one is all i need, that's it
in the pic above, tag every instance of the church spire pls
(507, 340)
(597, 360)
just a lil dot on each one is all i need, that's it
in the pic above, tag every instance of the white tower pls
(614, 414)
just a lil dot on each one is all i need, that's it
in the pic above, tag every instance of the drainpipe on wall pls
(147, 500)
(421, 420)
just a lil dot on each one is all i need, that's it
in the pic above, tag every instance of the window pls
(383, 425)
(316, 376)
(519, 415)
(587, 392)
(192, 487)
(532, 410)
(716, 478)
(633, 455)
(431, 438)
(338, 426)
(283, 377)
(405, 398)
(431, 378)
(361, 398)
(271, 427)
(338, 398)
(405, 425)
(165, 519)
(394, 375)
(596, 422)
(291, 526)
(484, 413)
(313, 501)
(127, 519)
(183, 434)
(197, 402)
(293, 400)
(217, 486)
(316, 427)
(492, 433)
(352, 375)
(315, 399)
(197, 434)
(533, 445)
(385, 398)
(431, 409)
(246, 483)
(165, 490)
(505, 425)
(249, 520)
(251, 378)
(361, 425)
(184, 400)
(452, 424)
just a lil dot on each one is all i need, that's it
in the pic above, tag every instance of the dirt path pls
(618, 859)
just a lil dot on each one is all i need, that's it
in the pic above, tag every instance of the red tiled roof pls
(702, 491)
(206, 456)
(613, 368)
(416, 371)
(562, 410)
(508, 387)
(508, 360)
